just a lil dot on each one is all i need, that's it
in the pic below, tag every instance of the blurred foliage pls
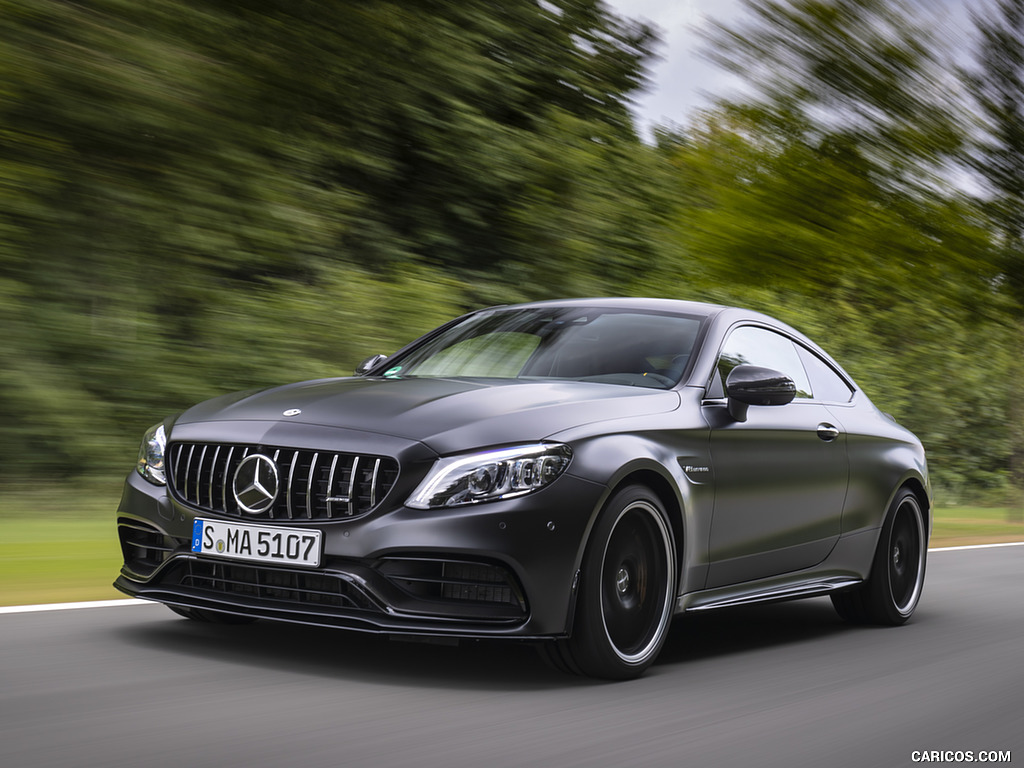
(198, 196)
(997, 83)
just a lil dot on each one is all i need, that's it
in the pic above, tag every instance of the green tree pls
(860, 76)
(822, 197)
(997, 83)
(178, 178)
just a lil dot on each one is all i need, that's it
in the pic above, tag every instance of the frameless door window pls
(750, 345)
(828, 386)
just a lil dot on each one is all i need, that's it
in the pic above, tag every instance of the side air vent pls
(455, 581)
(144, 547)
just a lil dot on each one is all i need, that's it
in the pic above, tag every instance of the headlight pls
(501, 474)
(151, 455)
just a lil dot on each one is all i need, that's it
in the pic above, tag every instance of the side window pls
(828, 385)
(759, 346)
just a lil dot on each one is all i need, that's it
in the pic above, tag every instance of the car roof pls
(663, 305)
(720, 312)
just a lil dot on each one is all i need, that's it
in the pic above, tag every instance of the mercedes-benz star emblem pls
(256, 484)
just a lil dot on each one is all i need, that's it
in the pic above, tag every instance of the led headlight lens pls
(501, 474)
(151, 455)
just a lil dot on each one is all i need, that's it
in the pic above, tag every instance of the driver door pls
(780, 476)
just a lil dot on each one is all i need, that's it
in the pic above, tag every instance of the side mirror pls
(752, 385)
(370, 363)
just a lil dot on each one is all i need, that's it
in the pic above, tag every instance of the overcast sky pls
(681, 75)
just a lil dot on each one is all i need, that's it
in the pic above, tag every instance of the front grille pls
(297, 588)
(311, 485)
(453, 580)
(144, 547)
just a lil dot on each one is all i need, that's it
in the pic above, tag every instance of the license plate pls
(261, 543)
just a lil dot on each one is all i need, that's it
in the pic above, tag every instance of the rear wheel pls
(893, 588)
(211, 617)
(627, 591)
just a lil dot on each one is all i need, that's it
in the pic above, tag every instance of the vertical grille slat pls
(213, 472)
(224, 476)
(373, 483)
(312, 485)
(199, 477)
(291, 485)
(352, 486)
(188, 470)
(330, 485)
(309, 487)
(175, 455)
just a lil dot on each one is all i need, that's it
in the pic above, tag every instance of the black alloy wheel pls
(893, 589)
(627, 590)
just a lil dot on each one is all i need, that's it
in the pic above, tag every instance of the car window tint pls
(827, 385)
(646, 349)
(607, 345)
(749, 345)
(493, 355)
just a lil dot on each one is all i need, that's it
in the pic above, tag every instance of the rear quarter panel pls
(883, 457)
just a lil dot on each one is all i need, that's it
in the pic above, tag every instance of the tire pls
(211, 617)
(556, 654)
(627, 591)
(893, 588)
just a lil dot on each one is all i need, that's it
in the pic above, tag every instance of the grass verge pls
(58, 561)
(61, 546)
(955, 526)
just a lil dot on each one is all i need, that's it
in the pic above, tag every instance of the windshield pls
(629, 347)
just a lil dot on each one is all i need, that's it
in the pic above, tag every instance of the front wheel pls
(627, 590)
(893, 588)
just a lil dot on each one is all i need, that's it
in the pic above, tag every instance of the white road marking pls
(979, 546)
(72, 606)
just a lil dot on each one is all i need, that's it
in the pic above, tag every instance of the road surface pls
(781, 685)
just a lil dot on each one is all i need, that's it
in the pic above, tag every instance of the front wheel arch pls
(627, 589)
(660, 486)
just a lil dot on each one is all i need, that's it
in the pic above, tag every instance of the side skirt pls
(768, 591)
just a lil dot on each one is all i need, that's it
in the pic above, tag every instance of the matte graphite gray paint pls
(750, 502)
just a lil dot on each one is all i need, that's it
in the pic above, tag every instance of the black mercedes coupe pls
(572, 473)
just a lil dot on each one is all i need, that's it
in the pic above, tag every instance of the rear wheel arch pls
(918, 489)
(891, 592)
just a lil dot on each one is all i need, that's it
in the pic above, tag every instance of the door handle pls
(827, 432)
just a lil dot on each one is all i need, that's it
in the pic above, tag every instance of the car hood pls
(448, 415)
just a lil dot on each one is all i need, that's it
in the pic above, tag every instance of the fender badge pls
(292, 412)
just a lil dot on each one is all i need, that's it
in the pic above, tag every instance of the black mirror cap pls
(369, 364)
(753, 385)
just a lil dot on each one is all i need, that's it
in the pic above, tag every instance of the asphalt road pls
(783, 685)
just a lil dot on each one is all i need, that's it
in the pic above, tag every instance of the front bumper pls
(500, 569)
